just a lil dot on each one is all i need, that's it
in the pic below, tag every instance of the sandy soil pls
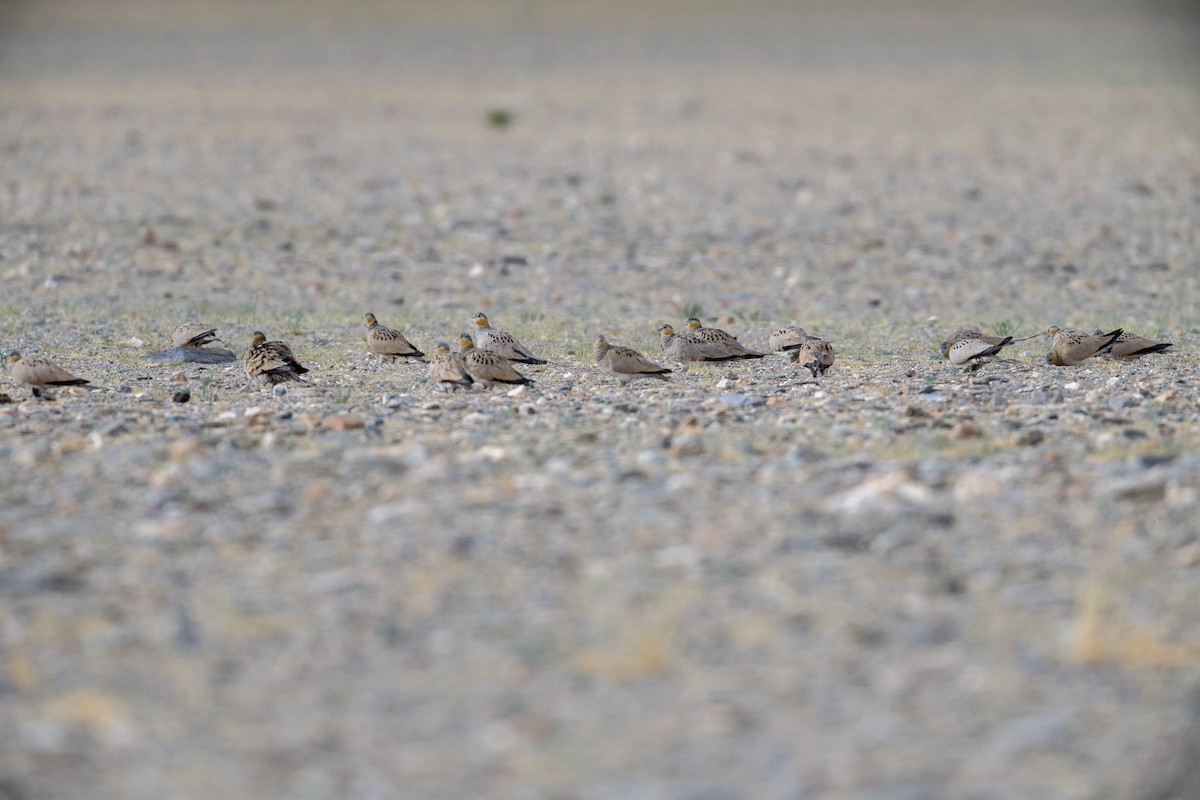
(900, 582)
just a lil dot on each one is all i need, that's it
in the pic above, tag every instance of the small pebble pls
(1031, 437)
(966, 430)
(685, 444)
(342, 422)
(976, 483)
(1125, 401)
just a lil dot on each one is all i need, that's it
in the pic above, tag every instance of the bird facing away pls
(448, 368)
(486, 366)
(502, 342)
(272, 362)
(37, 373)
(386, 343)
(815, 354)
(789, 337)
(626, 364)
(1130, 344)
(727, 342)
(971, 349)
(192, 334)
(1073, 347)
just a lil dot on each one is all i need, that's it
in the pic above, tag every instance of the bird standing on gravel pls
(272, 362)
(386, 343)
(192, 334)
(1130, 344)
(37, 373)
(626, 364)
(448, 368)
(1073, 346)
(971, 349)
(487, 366)
(726, 342)
(501, 342)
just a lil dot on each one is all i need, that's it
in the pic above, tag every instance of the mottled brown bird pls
(37, 373)
(192, 334)
(786, 338)
(626, 364)
(971, 349)
(1130, 344)
(727, 342)
(448, 368)
(272, 362)
(1072, 347)
(386, 343)
(684, 347)
(486, 366)
(501, 342)
(814, 354)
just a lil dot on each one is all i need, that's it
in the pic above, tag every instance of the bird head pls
(694, 323)
(480, 319)
(369, 319)
(257, 337)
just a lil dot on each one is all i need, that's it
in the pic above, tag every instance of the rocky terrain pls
(900, 581)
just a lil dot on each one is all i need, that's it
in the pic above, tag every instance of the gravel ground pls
(899, 582)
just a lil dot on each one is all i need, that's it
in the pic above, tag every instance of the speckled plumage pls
(1128, 345)
(272, 362)
(37, 373)
(192, 334)
(814, 354)
(626, 364)
(487, 366)
(971, 348)
(684, 347)
(501, 342)
(786, 338)
(727, 343)
(1072, 347)
(448, 368)
(387, 343)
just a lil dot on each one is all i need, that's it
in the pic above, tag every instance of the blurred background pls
(407, 125)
